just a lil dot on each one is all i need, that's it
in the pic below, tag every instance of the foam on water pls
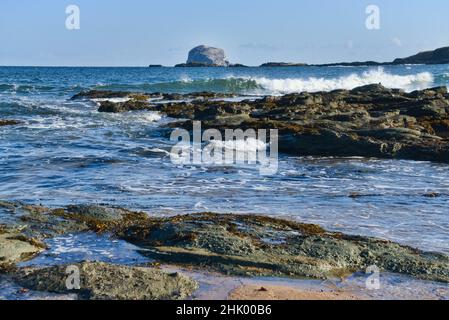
(262, 85)
(114, 100)
(136, 117)
(250, 145)
(407, 82)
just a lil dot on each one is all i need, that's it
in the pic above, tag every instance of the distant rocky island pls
(206, 56)
(438, 56)
(282, 64)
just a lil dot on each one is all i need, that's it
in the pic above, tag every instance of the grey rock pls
(100, 281)
(209, 56)
(232, 244)
(15, 247)
(367, 121)
(252, 245)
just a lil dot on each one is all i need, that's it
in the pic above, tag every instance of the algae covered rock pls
(367, 121)
(231, 244)
(258, 245)
(15, 247)
(100, 281)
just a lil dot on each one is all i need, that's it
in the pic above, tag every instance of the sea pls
(65, 152)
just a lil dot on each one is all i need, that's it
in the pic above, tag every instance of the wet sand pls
(253, 292)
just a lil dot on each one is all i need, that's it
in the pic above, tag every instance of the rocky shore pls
(243, 245)
(368, 121)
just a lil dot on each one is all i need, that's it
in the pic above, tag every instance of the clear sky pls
(142, 32)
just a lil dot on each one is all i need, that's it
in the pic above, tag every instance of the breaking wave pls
(407, 82)
(271, 86)
(227, 85)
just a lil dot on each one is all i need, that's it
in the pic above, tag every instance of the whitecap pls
(249, 144)
(113, 100)
(313, 84)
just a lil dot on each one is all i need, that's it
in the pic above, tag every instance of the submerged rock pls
(132, 105)
(8, 123)
(101, 281)
(282, 64)
(100, 94)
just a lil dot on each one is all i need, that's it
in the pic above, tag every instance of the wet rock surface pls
(245, 245)
(16, 247)
(8, 123)
(101, 281)
(256, 245)
(368, 121)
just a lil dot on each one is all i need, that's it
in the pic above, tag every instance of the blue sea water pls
(65, 152)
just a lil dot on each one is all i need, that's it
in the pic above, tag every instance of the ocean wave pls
(273, 86)
(187, 85)
(132, 118)
(24, 88)
(312, 84)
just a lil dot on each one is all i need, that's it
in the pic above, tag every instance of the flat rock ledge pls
(244, 245)
(101, 281)
(368, 121)
(16, 247)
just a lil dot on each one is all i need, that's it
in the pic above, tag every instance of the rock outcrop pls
(251, 245)
(8, 123)
(282, 64)
(101, 281)
(438, 56)
(207, 56)
(232, 244)
(369, 121)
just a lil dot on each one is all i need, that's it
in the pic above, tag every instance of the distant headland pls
(206, 56)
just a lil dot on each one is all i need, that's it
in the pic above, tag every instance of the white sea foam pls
(249, 144)
(150, 116)
(114, 100)
(158, 150)
(312, 84)
(139, 117)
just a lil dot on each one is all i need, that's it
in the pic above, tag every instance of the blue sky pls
(140, 32)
